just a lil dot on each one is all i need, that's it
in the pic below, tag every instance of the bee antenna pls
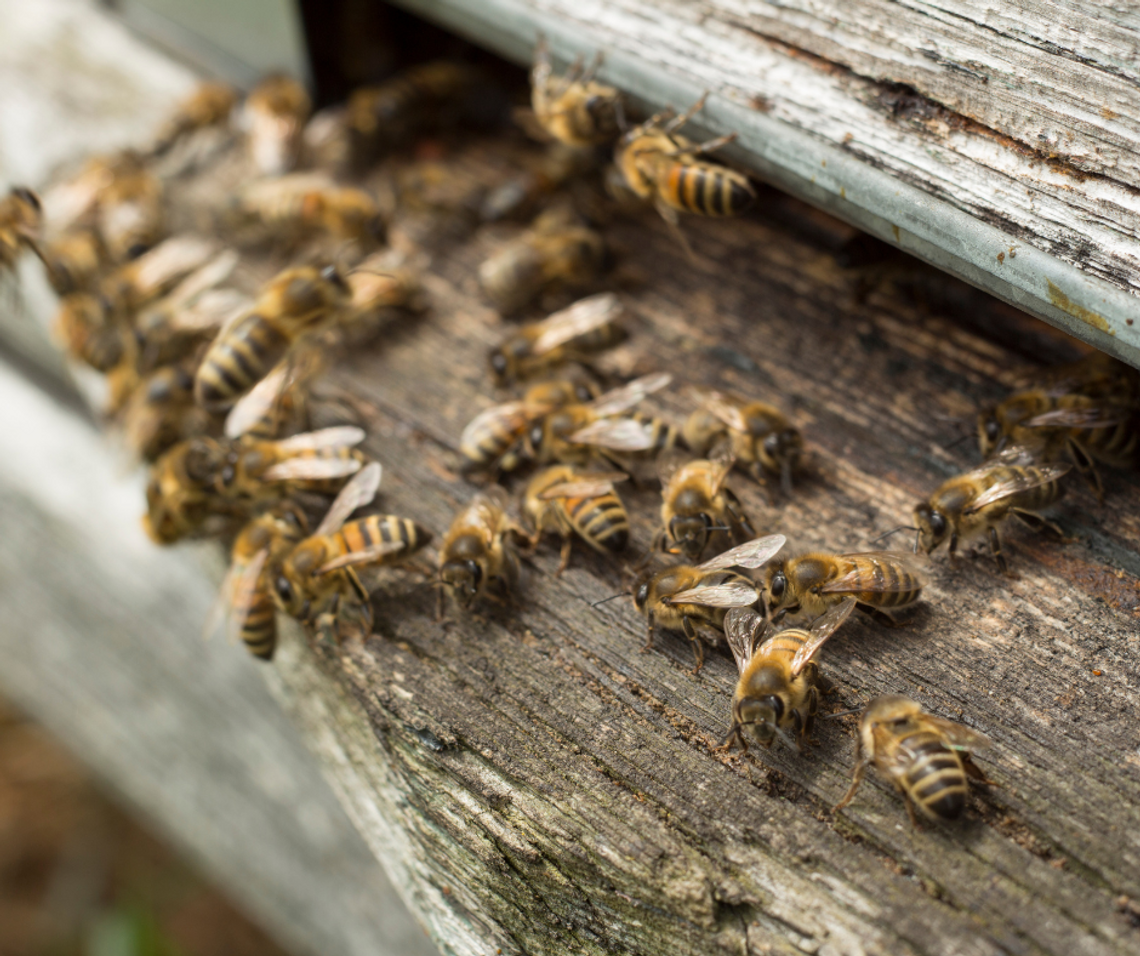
(612, 597)
(917, 537)
(887, 534)
(843, 713)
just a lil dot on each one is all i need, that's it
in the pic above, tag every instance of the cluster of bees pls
(213, 385)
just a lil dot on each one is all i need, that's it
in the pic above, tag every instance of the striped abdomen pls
(1032, 499)
(259, 629)
(366, 533)
(882, 582)
(933, 776)
(1117, 444)
(706, 188)
(600, 520)
(238, 360)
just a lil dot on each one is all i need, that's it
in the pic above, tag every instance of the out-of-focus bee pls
(278, 404)
(179, 492)
(245, 602)
(761, 438)
(695, 598)
(810, 584)
(75, 260)
(275, 114)
(926, 757)
(302, 204)
(318, 578)
(493, 440)
(209, 105)
(660, 165)
(21, 219)
(385, 115)
(697, 506)
(517, 196)
(379, 284)
(156, 272)
(573, 334)
(574, 109)
(779, 685)
(161, 412)
(130, 214)
(296, 303)
(328, 141)
(557, 251)
(570, 502)
(88, 329)
(479, 558)
(975, 503)
(580, 433)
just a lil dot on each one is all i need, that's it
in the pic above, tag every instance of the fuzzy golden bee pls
(130, 212)
(585, 504)
(574, 108)
(161, 412)
(274, 117)
(318, 581)
(811, 584)
(558, 251)
(695, 598)
(573, 334)
(299, 205)
(926, 757)
(479, 558)
(761, 438)
(296, 303)
(977, 502)
(697, 508)
(779, 686)
(21, 220)
(75, 260)
(210, 104)
(661, 166)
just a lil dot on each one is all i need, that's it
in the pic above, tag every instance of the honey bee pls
(696, 505)
(570, 502)
(75, 260)
(209, 105)
(291, 306)
(318, 578)
(926, 757)
(557, 251)
(478, 558)
(245, 601)
(810, 584)
(579, 433)
(571, 335)
(574, 109)
(301, 204)
(779, 687)
(660, 165)
(156, 272)
(275, 114)
(517, 196)
(695, 598)
(89, 330)
(493, 440)
(975, 503)
(21, 219)
(760, 437)
(130, 214)
(161, 412)
(279, 403)
(379, 284)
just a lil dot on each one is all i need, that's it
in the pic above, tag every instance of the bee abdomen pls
(602, 521)
(886, 584)
(237, 361)
(708, 189)
(1118, 444)
(366, 533)
(259, 629)
(935, 779)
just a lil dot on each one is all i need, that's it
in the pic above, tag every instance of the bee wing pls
(722, 460)
(1089, 417)
(223, 601)
(958, 735)
(618, 400)
(730, 594)
(213, 272)
(366, 556)
(339, 436)
(172, 259)
(357, 493)
(583, 316)
(725, 408)
(745, 630)
(584, 486)
(1042, 475)
(855, 580)
(751, 554)
(617, 434)
(669, 462)
(213, 309)
(821, 629)
(255, 405)
(311, 469)
(512, 414)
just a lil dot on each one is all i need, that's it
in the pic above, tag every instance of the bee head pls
(463, 578)
(780, 450)
(289, 598)
(989, 431)
(932, 528)
(691, 532)
(759, 717)
(777, 587)
(641, 596)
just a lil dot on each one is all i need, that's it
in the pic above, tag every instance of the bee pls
(779, 687)
(156, 272)
(179, 491)
(130, 214)
(75, 260)
(975, 503)
(275, 114)
(926, 757)
(479, 558)
(21, 219)
(573, 334)
(810, 584)
(88, 329)
(660, 165)
(378, 286)
(161, 412)
(493, 439)
(574, 109)
(318, 577)
(245, 601)
(696, 505)
(761, 438)
(302, 204)
(209, 105)
(695, 598)
(579, 433)
(558, 250)
(294, 304)
(570, 502)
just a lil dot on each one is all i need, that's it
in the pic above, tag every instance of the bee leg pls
(995, 547)
(678, 121)
(591, 71)
(1036, 523)
(648, 646)
(1087, 467)
(707, 147)
(856, 782)
(698, 647)
(974, 772)
(910, 810)
(439, 603)
(669, 214)
(736, 513)
(567, 545)
(734, 737)
(880, 616)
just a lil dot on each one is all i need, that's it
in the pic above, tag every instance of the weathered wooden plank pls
(1036, 232)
